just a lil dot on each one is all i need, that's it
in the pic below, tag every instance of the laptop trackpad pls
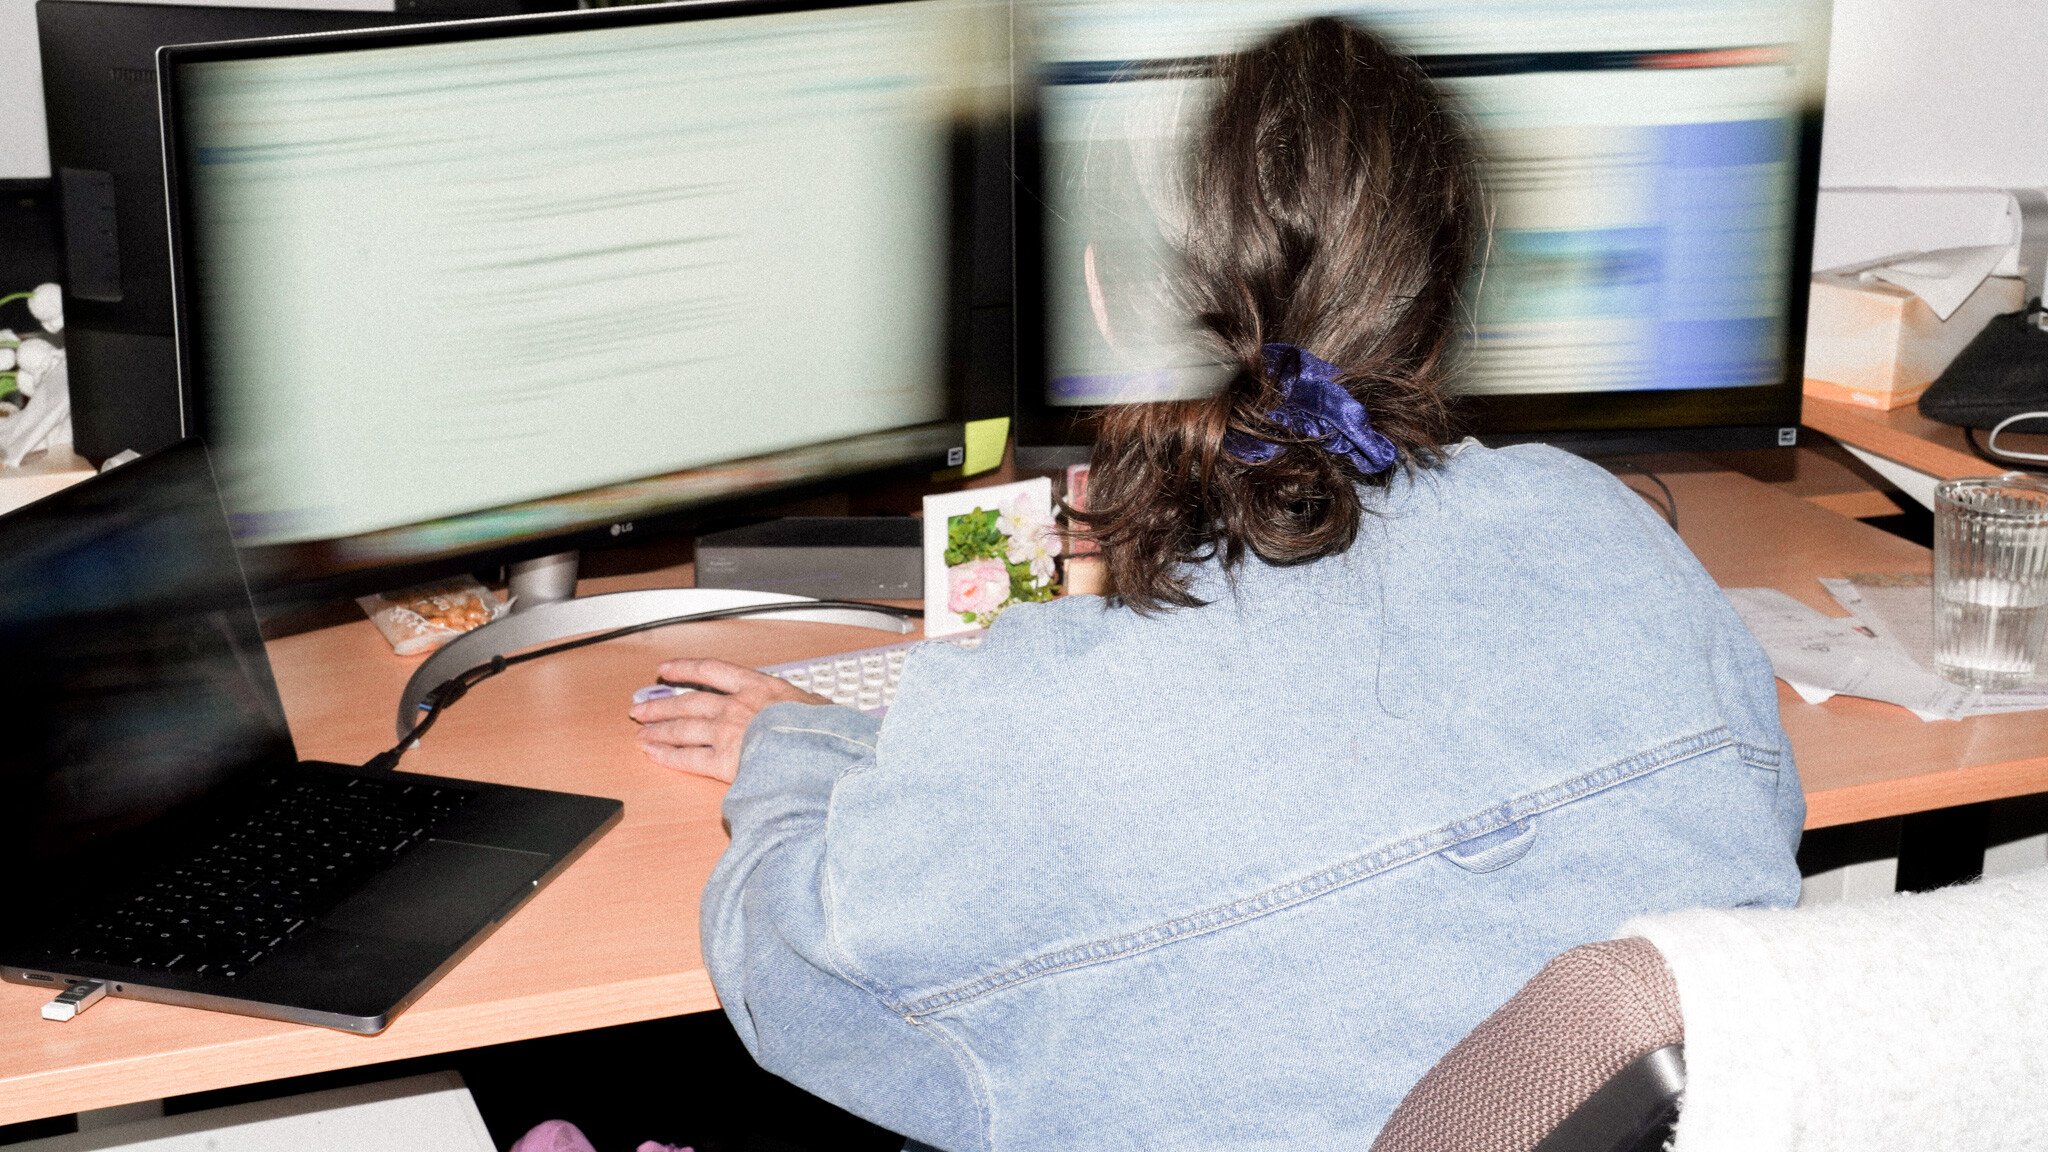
(440, 893)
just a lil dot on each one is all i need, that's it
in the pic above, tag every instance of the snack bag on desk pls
(420, 619)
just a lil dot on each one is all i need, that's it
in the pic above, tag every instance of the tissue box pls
(1877, 345)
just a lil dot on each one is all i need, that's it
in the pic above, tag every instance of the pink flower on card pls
(977, 587)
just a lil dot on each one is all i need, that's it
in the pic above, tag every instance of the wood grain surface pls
(1905, 436)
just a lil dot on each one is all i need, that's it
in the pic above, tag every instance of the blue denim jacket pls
(1234, 877)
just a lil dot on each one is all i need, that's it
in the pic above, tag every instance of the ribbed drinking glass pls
(1990, 579)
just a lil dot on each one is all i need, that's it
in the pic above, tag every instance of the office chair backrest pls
(1585, 1058)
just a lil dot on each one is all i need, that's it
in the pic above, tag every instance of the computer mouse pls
(664, 690)
(660, 692)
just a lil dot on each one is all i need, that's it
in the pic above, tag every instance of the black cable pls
(1669, 507)
(447, 692)
(1989, 455)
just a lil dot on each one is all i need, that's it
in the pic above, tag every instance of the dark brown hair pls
(1332, 205)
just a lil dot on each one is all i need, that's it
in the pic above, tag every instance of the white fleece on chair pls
(1909, 1022)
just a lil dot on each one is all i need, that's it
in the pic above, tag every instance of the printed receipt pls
(1820, 656)
(1899, 611)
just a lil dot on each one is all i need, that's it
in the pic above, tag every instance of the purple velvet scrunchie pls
(1315, 407)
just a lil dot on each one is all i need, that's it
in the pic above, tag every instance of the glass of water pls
(1990, 579)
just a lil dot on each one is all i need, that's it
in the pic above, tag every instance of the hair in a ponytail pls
(1333, 206)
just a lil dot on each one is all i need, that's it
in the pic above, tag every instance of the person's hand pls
(701, 731)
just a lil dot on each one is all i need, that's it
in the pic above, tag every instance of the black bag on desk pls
(2002, 373)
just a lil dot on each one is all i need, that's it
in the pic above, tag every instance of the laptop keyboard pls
(310, 841)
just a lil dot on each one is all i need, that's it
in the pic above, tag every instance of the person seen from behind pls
(1376, 722)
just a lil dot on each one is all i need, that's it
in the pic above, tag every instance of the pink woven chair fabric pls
(1506, 1085)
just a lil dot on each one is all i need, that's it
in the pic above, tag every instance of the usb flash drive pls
(75, 999)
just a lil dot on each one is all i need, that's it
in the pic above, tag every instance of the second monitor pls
(1648, 197)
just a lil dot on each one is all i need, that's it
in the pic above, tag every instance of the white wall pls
(1936, 92)
(24, 149)
(24, 152)
(1929, 94)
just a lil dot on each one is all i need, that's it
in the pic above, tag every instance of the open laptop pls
(159, 831)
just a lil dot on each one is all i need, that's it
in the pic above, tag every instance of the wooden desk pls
(614, 939)
(1858, 759)
(44, 472)
(1817, 471)
(1906, 437)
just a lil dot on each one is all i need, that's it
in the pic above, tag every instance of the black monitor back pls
(99, 94)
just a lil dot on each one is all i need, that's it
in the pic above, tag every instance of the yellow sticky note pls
(986, 441)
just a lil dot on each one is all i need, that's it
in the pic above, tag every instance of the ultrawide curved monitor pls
(475, 291)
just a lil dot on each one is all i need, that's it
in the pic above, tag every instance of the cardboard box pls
(1877, 345)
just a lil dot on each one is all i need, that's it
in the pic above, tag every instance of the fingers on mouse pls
(664, 690)
(659, 692)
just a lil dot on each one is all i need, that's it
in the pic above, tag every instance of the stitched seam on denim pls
(790, 729)
(1758, 756)
(842, 960)
(1329, 879)
(970, 1071)
(842, 963)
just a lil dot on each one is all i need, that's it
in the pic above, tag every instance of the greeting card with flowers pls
(985, 550)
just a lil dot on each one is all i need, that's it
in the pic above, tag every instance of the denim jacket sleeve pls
(1742, 673)
(799, 1006)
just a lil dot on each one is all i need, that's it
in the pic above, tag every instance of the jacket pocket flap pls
(1493, 850)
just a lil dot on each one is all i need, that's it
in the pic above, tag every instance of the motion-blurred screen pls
(1640, 169)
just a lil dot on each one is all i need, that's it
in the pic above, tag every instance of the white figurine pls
(34, 359)
(46, 304)
(43, 417)
(45, 421)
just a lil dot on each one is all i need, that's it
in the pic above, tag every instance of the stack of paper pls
(1899, 610)
(1883, 651)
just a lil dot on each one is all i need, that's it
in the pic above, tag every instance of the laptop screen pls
(133, 680)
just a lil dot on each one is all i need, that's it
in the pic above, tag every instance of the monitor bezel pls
(99, 67)
(1592, 424)
(276, 587)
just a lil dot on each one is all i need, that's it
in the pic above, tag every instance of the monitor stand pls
(542, 580)
(559, 614)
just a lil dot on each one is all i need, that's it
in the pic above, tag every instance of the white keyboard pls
(864, 679)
